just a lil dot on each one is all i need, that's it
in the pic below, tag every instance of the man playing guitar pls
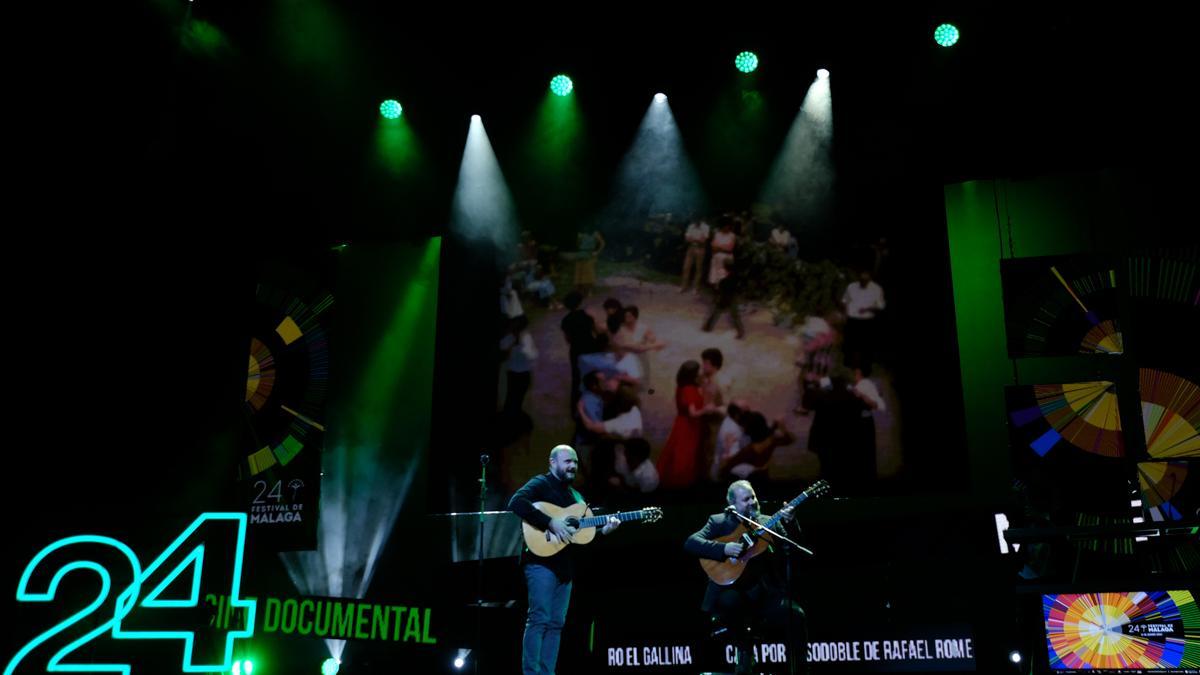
(759, 596)
(548, 579)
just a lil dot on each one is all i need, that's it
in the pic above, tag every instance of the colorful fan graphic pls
(286, 385)
(1166, 492)
(1170, 414)
(1083, 414)
(1105, 338)
(1122, 631)
(260, 379)
(286, 381)
(1067, 446)
(1060, 306)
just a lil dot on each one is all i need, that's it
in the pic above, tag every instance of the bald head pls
(564, 462)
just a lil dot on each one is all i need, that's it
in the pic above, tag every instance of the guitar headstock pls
(818, 489)
(652, 514)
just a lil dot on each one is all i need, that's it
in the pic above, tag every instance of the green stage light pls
(946, 35)
(330, 666)
(561, 85)
(390, 109)
(747, 62)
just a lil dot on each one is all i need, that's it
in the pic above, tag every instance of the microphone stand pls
(483, 462)
(759, 527)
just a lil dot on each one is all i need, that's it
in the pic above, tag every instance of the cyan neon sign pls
(131, 598)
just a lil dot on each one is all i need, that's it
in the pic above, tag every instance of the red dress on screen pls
(679, 463)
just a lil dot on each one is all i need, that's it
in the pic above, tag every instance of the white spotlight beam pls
(799, 186)
(483, 206)
(656, 175)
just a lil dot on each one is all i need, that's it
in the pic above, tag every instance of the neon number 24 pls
(131, 599)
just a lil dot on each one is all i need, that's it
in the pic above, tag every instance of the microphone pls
(483, 459)
(731, 509)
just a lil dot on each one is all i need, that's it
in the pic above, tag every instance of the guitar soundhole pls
(573, 521)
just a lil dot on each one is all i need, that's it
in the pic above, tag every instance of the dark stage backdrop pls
(156, 420)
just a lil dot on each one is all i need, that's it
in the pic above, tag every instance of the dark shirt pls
(765, 568)
(727, 290)
(835, 411)
(580, 331)
(545, 488)
(614, 321)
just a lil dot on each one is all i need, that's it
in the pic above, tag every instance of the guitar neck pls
(770, 524)
(601, 521)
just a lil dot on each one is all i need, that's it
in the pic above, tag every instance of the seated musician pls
(759, 597)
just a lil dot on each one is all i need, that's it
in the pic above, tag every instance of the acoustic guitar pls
(724, 572)
(579, 516)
